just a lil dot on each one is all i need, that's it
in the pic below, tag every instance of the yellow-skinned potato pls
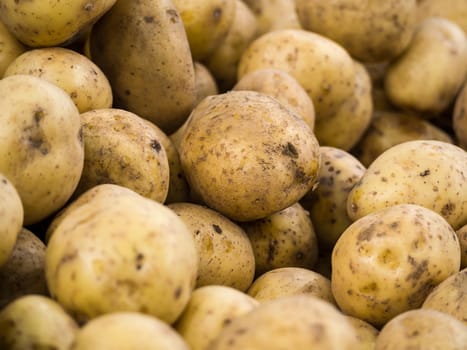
(427, 76)
(225, 253)
(425, 172)
(454, 10)
(283, 87)
(36, 322)
(388, 262)
(51, 23)
(209, 310)
(127, 330)
(86, 84)
(346, 126)
(462, 236)
(24, 272)
(422, 329)
(339, 172)
(459, 121)
(124, 149)
(41, 148)
(206, 85)
(288, 281)
(247, 155)
(323, 68)
(285, 238)
(390, 128)
(136, 53)
(121, 252)
(10, 48)
(450, 296)
(366, 333)
(370, 31)
(294, 322)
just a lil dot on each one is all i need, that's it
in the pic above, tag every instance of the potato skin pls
(366, 333)
(462, 236)
(10, 48)
(205, 83)
(455, 12)
(388, 262)
(459, 121)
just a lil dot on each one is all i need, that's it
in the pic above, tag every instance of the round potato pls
(86, 84)
(10, 48)
(288, 281)
(429, 173)
(294, 322)
(459, 121)
(321, 66)
(205, 84)
(422, 329)
(102, 255)
(209, 310)
(41, 148)
(127, 330)
(462, 236)
(36, 322)
(123, 149)
(247, 155)
(225, 253)
(388, 262)
(366, 333)
(283, 239)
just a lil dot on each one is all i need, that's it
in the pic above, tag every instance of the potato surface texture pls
(10, 48)
(459, 121)
(247, 155)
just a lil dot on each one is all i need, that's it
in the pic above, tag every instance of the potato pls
(288, 281)
(86, 84)
(455, 11)
(209, 310)
(124, 149)
(282, 86)
(282, 239)
(51, 23)
(366, 333)
(390, 128)
(24, 272)
(345, 128)
(136, 53)
(459, 119)
(450, 296)
(387, 262)
(247, 155)
(370, 31)
(206, 23)
(462, 236)
(428, 75)
(295, 322)
(10, 48)
(223, 61)
(36, 322)
(339, 172)
(323, 68)
(127, 330)
(205, 84)
(225, 253)
(422, 329)
(121, 252)
(41, 148)
(424, 172)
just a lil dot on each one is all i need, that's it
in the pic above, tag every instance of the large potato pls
(388, 262)
(121, 252)
(424, 172)
(10, 48)
(371, 31)
(247, 155)
(459, 121)
(86, 84)
(41, 148)
(323, 68)
(142, 48)
(51, 23)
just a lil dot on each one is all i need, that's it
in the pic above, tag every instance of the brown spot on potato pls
(425, 173)
(139, 261)
(148, 19)
(448, 209)
(173, 14)
(367, 233)
(155, 145)
(217, 14)
(418, 271)
(178, 292)
(217, 229)
(290, 150)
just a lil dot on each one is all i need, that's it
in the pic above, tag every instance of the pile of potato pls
(233, 174)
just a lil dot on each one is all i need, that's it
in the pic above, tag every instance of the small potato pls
(366, 333)
(10, 48)
(450, 296)
(209, 310)
(425, 172)
(36, 322)
(24, 272)
(462, 236)
(422, 329)
(127, 330)
(283, 239)
(205, 84)
(288, 281)
(124, 149)
(283, 87)
(427, 76)
(388, 262)
(294, 322)
(83, 80)
(327, 204)
(459, 121)
(225, 253)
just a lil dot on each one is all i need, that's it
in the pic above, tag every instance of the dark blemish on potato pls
(419, 270)
(217, 229)
(425, 173)
(394, 225)
(178, 292)
(411, 260)
(370, 287)
(217, 14)
(4, 181)
(417, 298)
(173, 14)
(226, 322)
(139, 261)
(413, 334)
(127, 92)
(448, 209)
(155, 145)
(326, 180)
(350, 292)
(197, 232)
(148, 19)
(290, 150)
(67, 258)
(241, 331)
(367, 233)
(271, 250)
